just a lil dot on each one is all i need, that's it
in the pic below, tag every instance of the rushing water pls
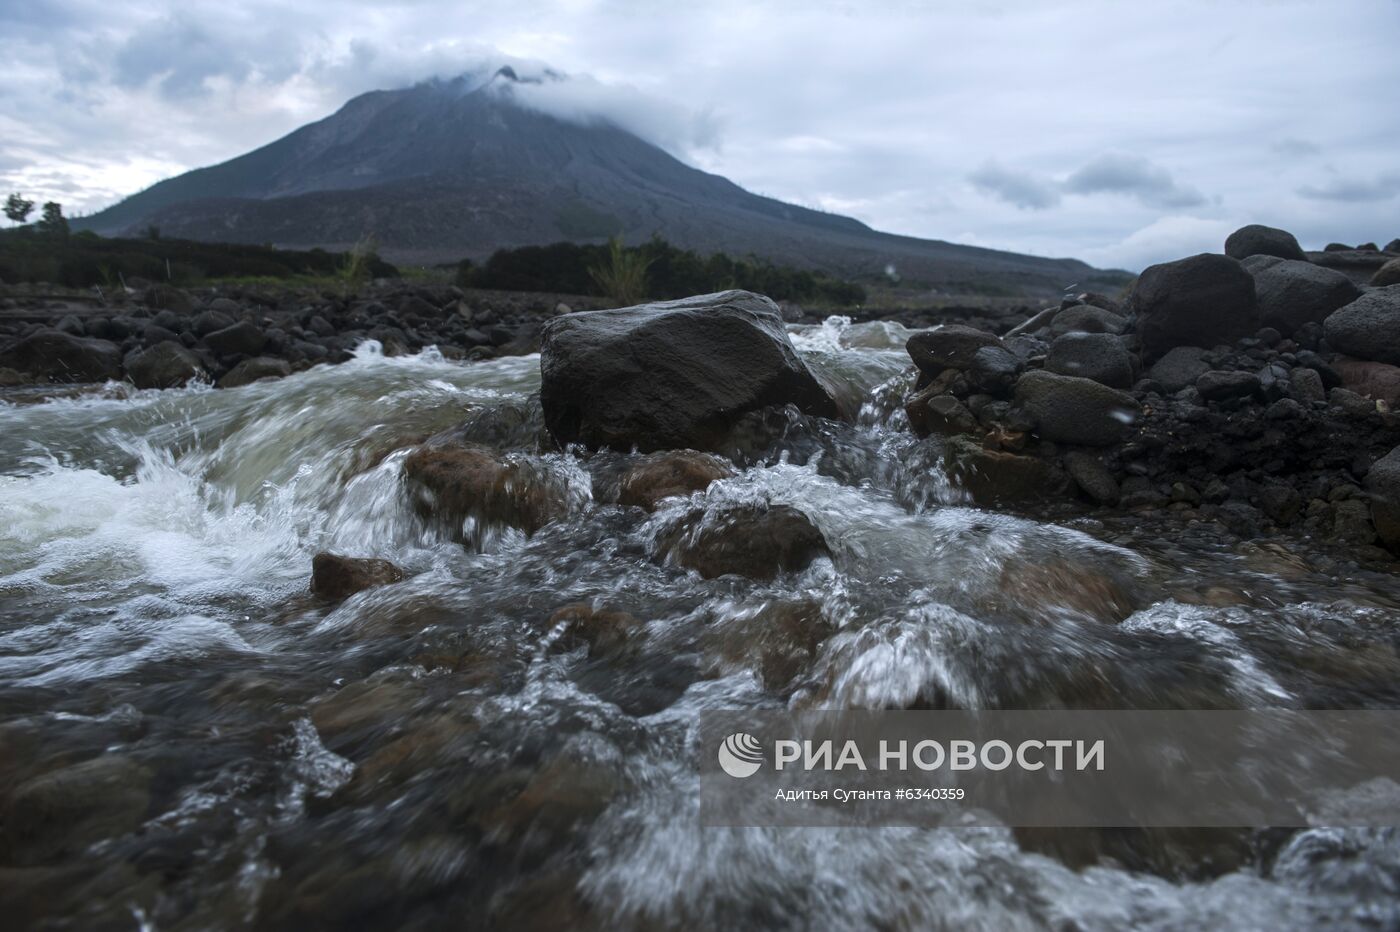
(189, 740)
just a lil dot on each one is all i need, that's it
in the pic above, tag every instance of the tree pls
(623, 277)
(53, 222)
(17, 208)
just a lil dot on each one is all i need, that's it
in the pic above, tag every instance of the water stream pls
(189, 740)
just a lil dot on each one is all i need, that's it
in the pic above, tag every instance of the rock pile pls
(1256, 388)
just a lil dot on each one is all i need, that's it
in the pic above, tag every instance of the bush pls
(666, 272)
(85, 259)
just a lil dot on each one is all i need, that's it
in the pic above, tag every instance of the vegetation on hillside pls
(47, 252)
(655, 270)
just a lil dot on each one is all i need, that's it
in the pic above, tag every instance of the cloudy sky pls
(1121, 133)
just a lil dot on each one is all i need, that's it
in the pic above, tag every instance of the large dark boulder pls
(243, 338)
(165, 365)
(1203, 300)
(62, 357)
(1292, 293)
(670, 375)
(1077, 411)
(1098, 356)
(1259, 240)
(951, 346)
(1369, 327)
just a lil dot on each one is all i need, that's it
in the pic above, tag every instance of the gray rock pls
(994, 370)
(1093, 477)
(1039, 321)
(1217, 385)
(1383, 487)
(1369, 327)
(227, 307)
(255, 370)
(1097, 356)
(1292, 293)
(1204, 300)
(932, 413)
(1258, 240)
(243, 338)
(1086, 318)
(155, 333)
(1180, 367)
(1256, 264)
(55, 356)
(1307, 385)
(165, 365)
(211, 320)
(670, 375)
(1388, 274)
(71, 324)
(1074, 410)
(320, 326)
(950, 346)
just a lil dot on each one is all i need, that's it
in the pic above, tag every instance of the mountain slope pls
(460, 168)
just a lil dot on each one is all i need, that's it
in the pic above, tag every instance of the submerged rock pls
(459, 483)
(669, 474)
(1203, 300)
(757, 540)
(670, 375)
(337, 577)
(55, 356)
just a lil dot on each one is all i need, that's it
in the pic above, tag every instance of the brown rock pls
(931, 412)
(337, 577)
(1378, 381)
(1388, 274)
(994, 477)
(755, 540)
(666, 475)
(456, 482)
(600, 629)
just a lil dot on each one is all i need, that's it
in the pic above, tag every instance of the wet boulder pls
(241, 339)
(1203, 300)
(166, 365)
(467, 486)
(168, 297)
(336, 577)
(1369, 327)
(758, 540)
(1259, 240)
(1097, 356)
(1383, 486)
(1293, 293)
(669, 474)
(599, 629)
(1092, 477)
(932, 412)
(56, 356)
(58, 814)
(255, 370)
(951, 346)
(994, 370)
(1067, 409)
(669, 375)
(998, 477)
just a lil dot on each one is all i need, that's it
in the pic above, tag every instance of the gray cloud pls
(1354, 190)
(1115, 173)
(102, 99)
(1024, 189)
